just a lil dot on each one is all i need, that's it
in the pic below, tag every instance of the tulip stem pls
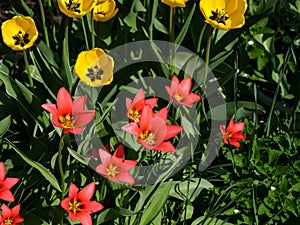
(93, 29)
(60, 167)
(27, 68)
(44, 23)
(207, 52)
(172, 36)
(85, 36)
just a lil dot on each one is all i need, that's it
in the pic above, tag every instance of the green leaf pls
(111, 214)
(78, 157)
(43, 170)
(160, 27)
(4, 125)
(210, 221)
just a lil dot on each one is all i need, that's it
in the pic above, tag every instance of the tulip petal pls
(87, 192)
(64, 102)
(132, 128)
(51, 108)
(165, 147)
(2, 171)
(172, 130)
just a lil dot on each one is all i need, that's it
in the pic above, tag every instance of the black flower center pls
(219, 16)
(21, 39)
(94, 73)
(75, 205)
(73, 6)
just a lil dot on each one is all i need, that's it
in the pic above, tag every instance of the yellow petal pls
(75, 8)
(175, 3)
(104, 10)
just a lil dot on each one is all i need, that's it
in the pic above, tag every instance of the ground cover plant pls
(142, 112)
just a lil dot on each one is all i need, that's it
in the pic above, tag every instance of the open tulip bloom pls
(175, 3)
(104, 10)
(10, 216)
(19, 33)
(78, 204)
(75, 8)
(233, 133)
(152, 132)
(224, 14)
(6, 184)
(136, 106)
(115, 167)
(69, 115)
(179, 92)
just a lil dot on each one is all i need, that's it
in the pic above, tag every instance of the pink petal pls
(169, 90)
(51, 108)
(152, 102)
(186, 84)
(104, 156)
(165, 147)
(78, 104)
(101, 169)
(140, 95)
(119, 153)
(9, 182)
(75, 130)
(125, 177)
(65, 204)
(222, 129)
(2, 171)
(84, 117)
(64, 102)
(172, 130)
(87, 192)
(175, 82)
(132, 128)
(194, 97)
(128, 103)
(94, 206)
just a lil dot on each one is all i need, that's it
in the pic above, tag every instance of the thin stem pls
(92, 29)
(49, 10)
(235, 87)
(27, 68)
(44, 23)
(200, 38)
(207, 52)
(85, 35)
(60, 167)
(172, 36)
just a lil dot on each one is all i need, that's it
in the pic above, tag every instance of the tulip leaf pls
(4, 125)
(78, 157)
(110, 214)
(43, 170)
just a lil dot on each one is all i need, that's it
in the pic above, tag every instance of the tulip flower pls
(69, 115)
(19, 33)
(10, 216)
(175, 3)
(224, 14)
(6, 184)
(94, 67)
(180, 92)
(115, 167)
(233, 133)
(75, 8)
(136, 106)
(78, 204)
(152, 132)
(104, 10)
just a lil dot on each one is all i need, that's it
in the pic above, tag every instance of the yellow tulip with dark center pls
(224, 14)
(94, 67)
(76, 8)
(175, 3)
(19, 33)
(104, 10)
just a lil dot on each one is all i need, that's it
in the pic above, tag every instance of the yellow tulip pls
(104, 10)
(19, 33)
(94, 67)
(75, 8)
(175, 3)
(224, 14)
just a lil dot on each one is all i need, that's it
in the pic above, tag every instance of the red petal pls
(152, 102)
(16, 210)
(165, 147)
(51, 108)
(238, 127)
(87, 192)
(132, 128)
(64, 102)
(65, 204)
(172, 130)
(163, 113)
(6, 195)
(73, 190)
(6, 211)
(85, 218)
(194, 97)
(84, 117)
(9, 182)
(146, 116)
(94, 206)
(169, 90)
(2, 171)
(235, 143)
(186, 84)
(174, 83)
(119, 153)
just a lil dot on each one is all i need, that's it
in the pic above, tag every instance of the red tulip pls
(115, 167)
(153, 130)
(233, 133)
(180, 92)
(10, 216)
(135, 106)
(78, 204)
(69, 115)
(6, 184)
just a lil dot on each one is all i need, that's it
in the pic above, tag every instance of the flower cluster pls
(8, 216)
